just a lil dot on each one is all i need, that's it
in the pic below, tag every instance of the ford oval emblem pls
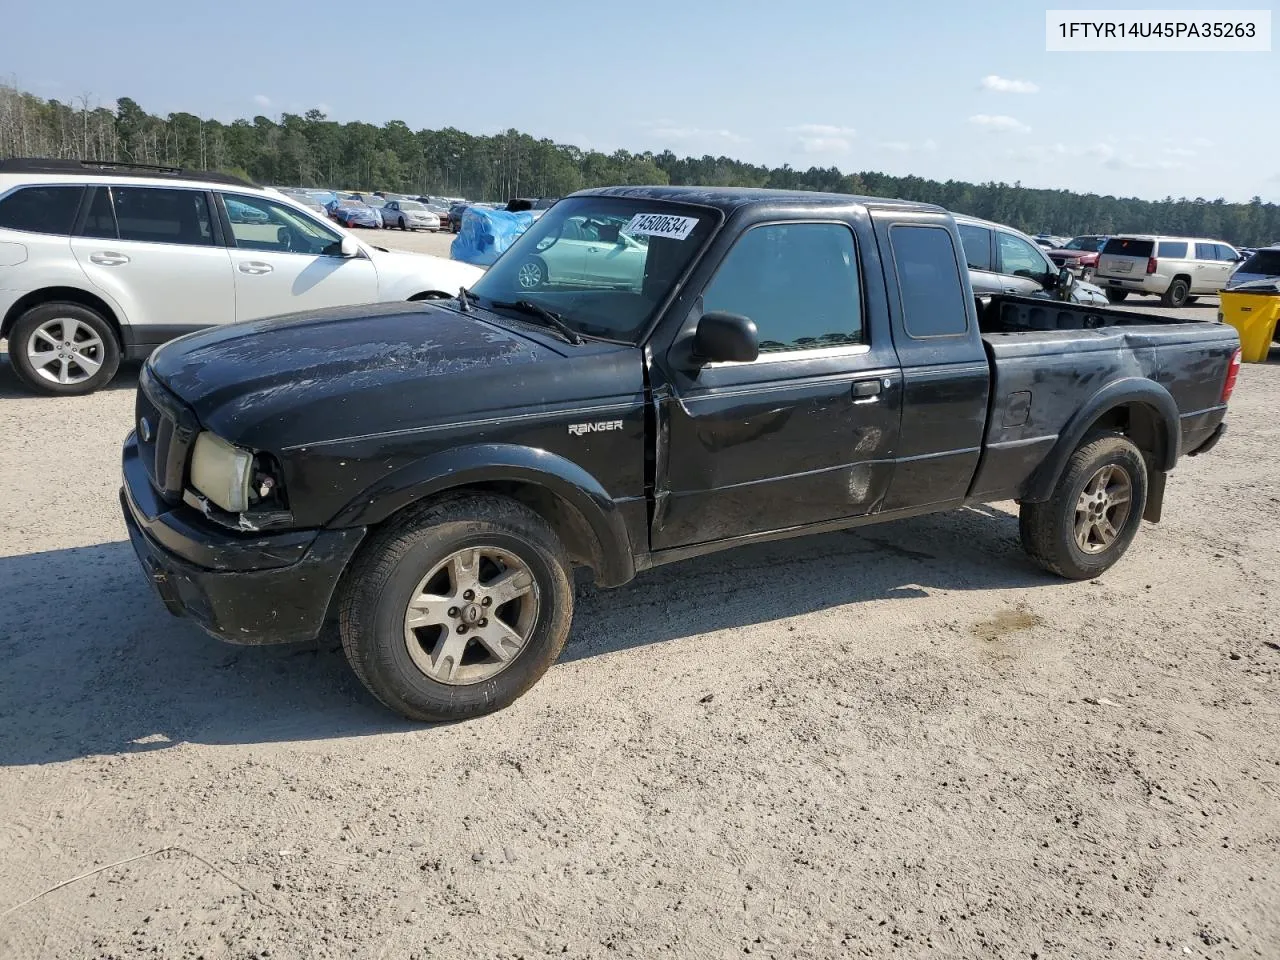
(144, 430)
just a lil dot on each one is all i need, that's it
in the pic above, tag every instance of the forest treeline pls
(311, 150)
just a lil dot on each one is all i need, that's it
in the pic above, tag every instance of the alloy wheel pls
(1103, 509)
(65, 350)
(471, 615)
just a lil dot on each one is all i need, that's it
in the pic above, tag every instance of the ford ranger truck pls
(647, 374)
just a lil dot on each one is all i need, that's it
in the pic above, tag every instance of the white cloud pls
(998, 123)
(262, 100)
(904, 146)
(823, 137)
(1127, 162)
(1005, 85)
(672, 132)
(1178, 152)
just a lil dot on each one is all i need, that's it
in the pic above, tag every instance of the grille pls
(166, 429)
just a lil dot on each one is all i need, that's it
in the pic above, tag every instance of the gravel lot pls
(903, 741)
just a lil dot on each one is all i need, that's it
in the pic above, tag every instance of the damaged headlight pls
(222, 472)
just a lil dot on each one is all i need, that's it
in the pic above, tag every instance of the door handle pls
(866, 391)
(255, 267)
(107, 259)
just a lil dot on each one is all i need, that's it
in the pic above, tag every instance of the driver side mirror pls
(1066, 280)
(349, 248)
(726, 337)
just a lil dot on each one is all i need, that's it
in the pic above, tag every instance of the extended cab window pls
(797, 281)
(977, 246)
(261, 224)
(160, 215)
(41, 209)
(933, 301)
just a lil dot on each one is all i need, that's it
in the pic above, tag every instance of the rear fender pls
(1160, 410)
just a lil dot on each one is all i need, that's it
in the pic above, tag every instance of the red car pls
(1080, 256)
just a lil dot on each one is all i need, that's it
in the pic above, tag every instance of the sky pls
(942, 90)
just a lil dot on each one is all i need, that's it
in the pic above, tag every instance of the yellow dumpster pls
(1254, 316)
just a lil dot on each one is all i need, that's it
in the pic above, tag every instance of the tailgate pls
(1125, 258)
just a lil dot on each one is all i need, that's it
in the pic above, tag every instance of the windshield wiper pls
(551, 318)
(464, 298)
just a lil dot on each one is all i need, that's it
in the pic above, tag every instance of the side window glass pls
(1226, 253)
(160, 215)
(101, 220)
(798, 281)
(261, 224)
(1206, 251)
(1019, 258)
(933, 301)
(41, 209)
(977, 246)
(1172, 248)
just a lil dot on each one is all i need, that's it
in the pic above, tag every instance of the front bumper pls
(244, 589)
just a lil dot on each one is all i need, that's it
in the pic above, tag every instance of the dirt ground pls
(903, 741)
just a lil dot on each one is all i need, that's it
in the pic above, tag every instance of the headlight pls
(221, 472)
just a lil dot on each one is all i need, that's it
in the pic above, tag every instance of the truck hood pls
(360, 371)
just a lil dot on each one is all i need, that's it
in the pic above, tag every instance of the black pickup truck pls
(646, 375)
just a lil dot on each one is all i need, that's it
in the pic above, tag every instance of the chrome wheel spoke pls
(86, 363)
(500, 640)
(446, 656)
(464, 570)
(512, 584)
(428, 609)
(43, 358)
(48, 338)
(64, 370)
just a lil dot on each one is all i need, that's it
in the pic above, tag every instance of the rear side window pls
(933, 302)
(41, 209)
(1206, 251)
(1265, 262)
(1172, 248)
(1124, 247)
(797, 281)
(977, 246)
(160, 215)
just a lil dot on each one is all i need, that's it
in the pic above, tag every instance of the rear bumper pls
(1211, 442)
(259, 589)
(1139, 285)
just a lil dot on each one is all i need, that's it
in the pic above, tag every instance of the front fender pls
(509, 463)
(1119, 393)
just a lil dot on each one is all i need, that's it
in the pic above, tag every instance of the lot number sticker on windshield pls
(661, 225)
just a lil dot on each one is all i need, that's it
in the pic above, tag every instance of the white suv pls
(103, 262)
(1177, 269)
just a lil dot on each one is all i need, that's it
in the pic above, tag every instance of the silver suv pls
(1176, 269)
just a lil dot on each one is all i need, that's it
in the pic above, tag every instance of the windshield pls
(1264, 262)
(1087, 244)
(411, 205)
(604, 264)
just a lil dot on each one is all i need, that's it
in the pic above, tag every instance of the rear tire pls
(51, 333)
(1068, 533)
(1176, 295)
(409, 668)
(1116, 296)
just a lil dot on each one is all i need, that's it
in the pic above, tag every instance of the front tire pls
(64, 348)
(457, 609)
(1094, 512)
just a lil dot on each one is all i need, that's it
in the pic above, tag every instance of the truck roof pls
(728, 199)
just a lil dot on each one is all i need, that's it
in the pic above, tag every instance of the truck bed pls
(1048, 358)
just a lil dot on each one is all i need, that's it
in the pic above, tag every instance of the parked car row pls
(107, 262)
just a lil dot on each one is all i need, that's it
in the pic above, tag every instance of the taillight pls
(1151, 264)
(1233, 373)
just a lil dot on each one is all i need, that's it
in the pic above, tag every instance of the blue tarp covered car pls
(487, 233)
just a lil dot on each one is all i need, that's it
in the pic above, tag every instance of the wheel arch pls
(1141, 409)
(569, 498)
(61, 295)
